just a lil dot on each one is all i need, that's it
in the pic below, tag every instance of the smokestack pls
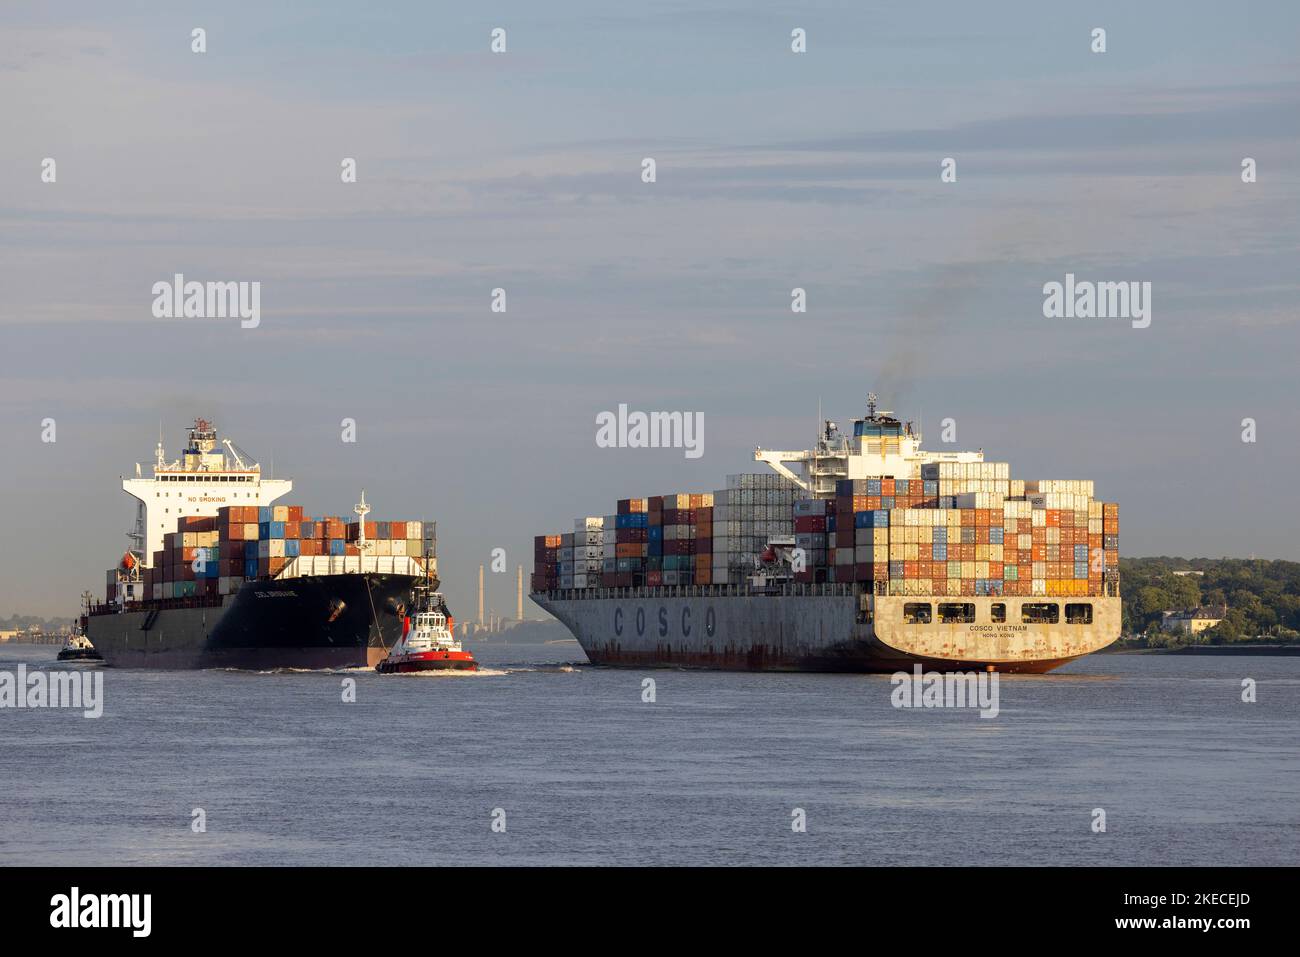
(519, 600)
(480, 596)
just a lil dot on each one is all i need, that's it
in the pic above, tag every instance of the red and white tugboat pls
(428, 641)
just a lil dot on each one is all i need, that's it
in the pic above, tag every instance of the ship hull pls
(311, 622)
(455, 661)
(655, 628)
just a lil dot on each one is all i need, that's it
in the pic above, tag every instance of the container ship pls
(218, 576)
(862, 554)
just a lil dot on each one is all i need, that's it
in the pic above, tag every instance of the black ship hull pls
(312, 622)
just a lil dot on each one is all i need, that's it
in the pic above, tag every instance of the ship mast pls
(362, 510)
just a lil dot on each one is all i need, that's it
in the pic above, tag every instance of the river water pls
(579, 769)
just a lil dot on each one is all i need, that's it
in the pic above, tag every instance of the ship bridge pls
(207, 476)
(879, 444)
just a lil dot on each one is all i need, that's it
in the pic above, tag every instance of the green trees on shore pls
(1262, 597)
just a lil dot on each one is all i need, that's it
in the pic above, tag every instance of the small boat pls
(78, 648)
(428, 641)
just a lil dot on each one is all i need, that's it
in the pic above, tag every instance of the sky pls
(522, 171)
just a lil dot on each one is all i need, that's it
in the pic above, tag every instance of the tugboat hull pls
(435, 661)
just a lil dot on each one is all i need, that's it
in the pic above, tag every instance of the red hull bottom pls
(758, 659)
(443, 662)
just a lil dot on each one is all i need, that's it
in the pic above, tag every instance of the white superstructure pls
(880, 446)
(200, 482)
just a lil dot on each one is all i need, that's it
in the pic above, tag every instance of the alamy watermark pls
(53, 689)
(651, 430)
(75, 909)
(1085, 299)
(954, 689)
(179, 299)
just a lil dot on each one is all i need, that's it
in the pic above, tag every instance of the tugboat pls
(428, 641)
(79, 648)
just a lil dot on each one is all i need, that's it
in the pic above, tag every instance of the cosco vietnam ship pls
(217, 576)
(872, 555)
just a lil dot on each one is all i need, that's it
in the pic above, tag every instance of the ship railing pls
(739, 590)
(729, 590)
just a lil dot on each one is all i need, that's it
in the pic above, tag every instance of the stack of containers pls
(814, 532)
(752, 508)
(546, 562)
(957, 528)
(588, 551)
(566, 560)
(631, 537)
(654, 545)
(963, 529)
(702, 509)
(960, 478)
(678, 540)
(213, 556)
(1110, 543)
(392, 539)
